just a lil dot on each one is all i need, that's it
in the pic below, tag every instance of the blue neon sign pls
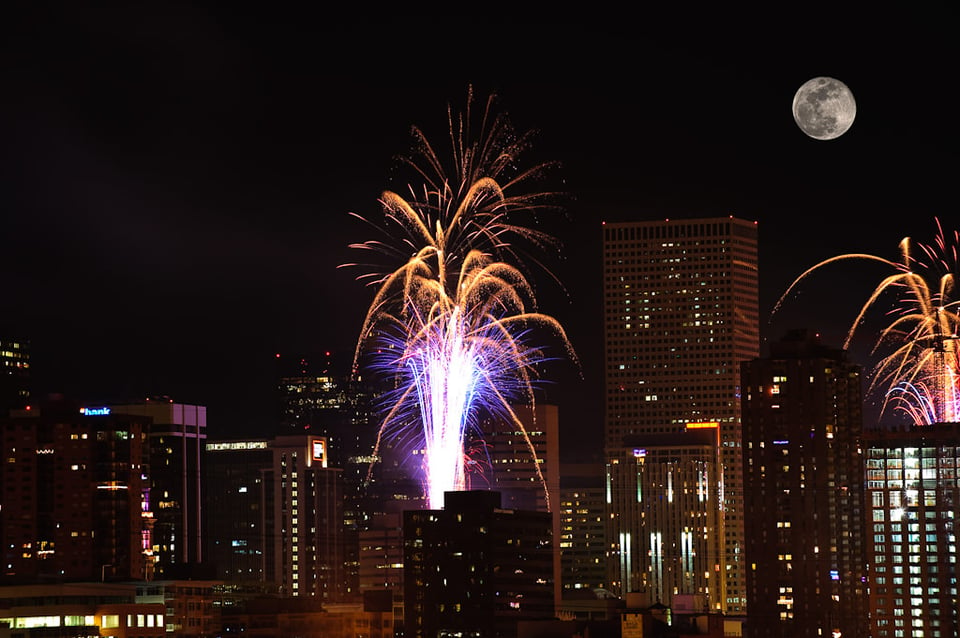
(104, 411)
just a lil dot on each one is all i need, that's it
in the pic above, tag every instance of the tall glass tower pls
(681, 312)
(912, 507)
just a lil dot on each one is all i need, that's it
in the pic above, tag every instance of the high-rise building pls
(177, 434)
(238, 512)
(381, 563)
(307, 517)
(519, 460)
(75, 494)
(582, 540)
(667, 490)
(803, 492)
(524, 464)
(318, 396)
(14, 375)
(681, 312)
(275, 518)
(913, 505)
(322, 399)
(474, 569)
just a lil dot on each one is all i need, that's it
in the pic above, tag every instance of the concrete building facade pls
(681, 312)
(75, 495)
(803, 486)
(474, 569)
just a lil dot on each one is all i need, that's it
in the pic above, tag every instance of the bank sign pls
(104, 411)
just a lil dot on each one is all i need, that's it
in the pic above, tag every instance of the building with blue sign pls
(75, 495)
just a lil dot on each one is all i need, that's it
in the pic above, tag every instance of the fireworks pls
(455, 323)
(917, 368)
(474, 204)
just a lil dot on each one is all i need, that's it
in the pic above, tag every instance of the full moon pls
(824, 108)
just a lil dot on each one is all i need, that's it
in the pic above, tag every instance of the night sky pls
(177, 180)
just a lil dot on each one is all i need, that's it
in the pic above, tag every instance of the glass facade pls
(912, 501)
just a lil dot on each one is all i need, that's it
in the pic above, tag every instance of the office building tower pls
(681, 312)
(913, 505)
(520, 463)
(319, 396)
(582, 539)
(325, 400)
(667, 490)
(14, 375)
(381, 564)
(239, 511)
(381, 554)
(524, 463)
(277, 518)
(803, 491)
(177, 435)
(474, 569)
(307, 517)
(75, 494)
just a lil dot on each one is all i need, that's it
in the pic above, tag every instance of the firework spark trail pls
(459, 357)
(453, 324)
(920, 372)
(468, 207)
(444, 406)
(919, 401)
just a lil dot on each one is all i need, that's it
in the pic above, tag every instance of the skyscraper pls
(514, 458)
(474, 569)
(681, 312)
(803, 491)
(75, 494)
(276, 518)
(177, 435)
(238, 512)
(582, 539)
(307, 515)
(666, 489)
(913, 504)
(321, 398)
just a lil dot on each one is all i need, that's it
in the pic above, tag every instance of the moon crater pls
(824, 108)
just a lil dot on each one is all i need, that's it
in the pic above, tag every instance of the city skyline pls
(176, 207)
